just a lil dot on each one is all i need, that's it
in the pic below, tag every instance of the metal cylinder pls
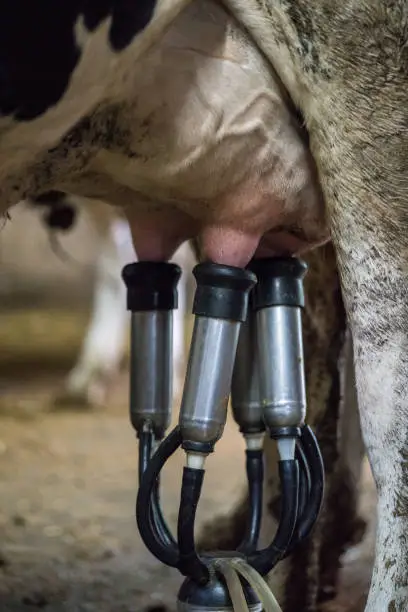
(246, 399)
(151, 377)
(208, 380)
(282, 378)
(212, 597)
(183, 606)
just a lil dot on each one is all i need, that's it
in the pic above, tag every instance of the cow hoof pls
(82, 400)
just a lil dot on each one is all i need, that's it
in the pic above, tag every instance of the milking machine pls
(246, 345)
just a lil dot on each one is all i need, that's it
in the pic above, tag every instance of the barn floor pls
(68, 542)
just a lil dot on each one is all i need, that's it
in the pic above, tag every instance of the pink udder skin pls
(218, 244)
(157, 234)
(227, 246)
(234, 248)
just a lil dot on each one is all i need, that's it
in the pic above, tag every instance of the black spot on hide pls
(38, 49)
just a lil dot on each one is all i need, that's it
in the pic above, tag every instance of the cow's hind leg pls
(103, 345)
(185, 258)
(376, 288)
(366, 184)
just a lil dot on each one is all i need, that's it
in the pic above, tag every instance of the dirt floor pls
(68, 540)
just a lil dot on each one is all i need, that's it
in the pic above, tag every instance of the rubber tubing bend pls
(155, 516)
(264, 561)
(167, 554)
(190, 563)
(255, 475)
(315, 463)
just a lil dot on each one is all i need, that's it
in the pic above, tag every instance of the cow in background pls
(105, 338)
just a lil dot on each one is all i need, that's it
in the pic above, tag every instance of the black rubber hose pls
(265, 560)
(167, 554)
(255, 475)
(305, 482)
(145, 451)
(190, 563)
(315, 463)
(155, 516)
(159, 520)
(303, 495)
